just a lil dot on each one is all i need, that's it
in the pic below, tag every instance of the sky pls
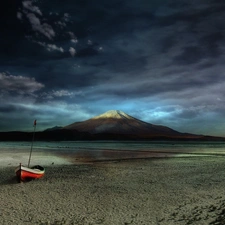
(160, 61)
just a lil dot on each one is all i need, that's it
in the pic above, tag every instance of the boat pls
(24, 173)
(27, 173)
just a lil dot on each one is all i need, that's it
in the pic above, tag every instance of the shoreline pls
(164, 191)
(67, 157)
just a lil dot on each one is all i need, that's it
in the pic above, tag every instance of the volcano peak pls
(115, 114)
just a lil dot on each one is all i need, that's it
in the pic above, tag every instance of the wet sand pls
(164, 191)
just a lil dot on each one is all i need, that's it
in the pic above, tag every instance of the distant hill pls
(53, 128)
(112, 125)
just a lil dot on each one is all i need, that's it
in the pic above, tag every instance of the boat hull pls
(26, 174)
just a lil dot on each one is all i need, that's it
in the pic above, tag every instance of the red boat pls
(26, 174)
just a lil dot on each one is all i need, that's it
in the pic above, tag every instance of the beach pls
(181, 190)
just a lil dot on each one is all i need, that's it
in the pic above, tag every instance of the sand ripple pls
(172, 191)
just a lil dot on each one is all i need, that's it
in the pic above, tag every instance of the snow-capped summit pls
(117, 114)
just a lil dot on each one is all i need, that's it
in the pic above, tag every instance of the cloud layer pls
(18, 84)
(159, 61)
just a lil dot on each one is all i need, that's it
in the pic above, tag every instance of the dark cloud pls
(86, 52)
(7, 108)
(160, 61)
(190, 55)
(212, 43)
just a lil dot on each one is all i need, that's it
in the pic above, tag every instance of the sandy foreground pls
(164, 191)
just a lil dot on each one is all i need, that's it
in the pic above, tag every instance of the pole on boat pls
(35, 122)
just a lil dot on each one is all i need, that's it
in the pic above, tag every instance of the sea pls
(72, 152)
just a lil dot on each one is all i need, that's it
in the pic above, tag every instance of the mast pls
(35, 122)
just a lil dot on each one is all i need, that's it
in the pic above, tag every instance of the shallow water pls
(89, 151)
(188, 146)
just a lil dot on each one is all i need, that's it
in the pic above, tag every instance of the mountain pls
(117, 124)
(112, 125)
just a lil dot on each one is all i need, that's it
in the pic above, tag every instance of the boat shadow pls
(10, 180)
(14, 180)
